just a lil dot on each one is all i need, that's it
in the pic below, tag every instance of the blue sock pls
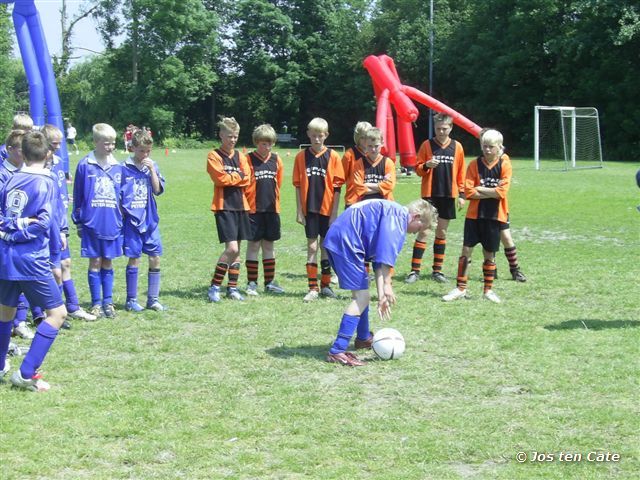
(132, 282)
(40, 345)
(348, 327)
(154, 285)
(36, 312)
(95, 287)
(5, 338)
(363, 325)
(69, 290)
(21, 310)
(107, 286)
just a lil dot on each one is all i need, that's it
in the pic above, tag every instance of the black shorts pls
(505, 225)
(232, 226)
(486, 232)
(264, 226)
(446, 206)
(316, 225)
(71, 141)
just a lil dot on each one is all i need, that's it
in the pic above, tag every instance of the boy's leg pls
(232, 253)
(153, 281)
(364, 336)
(95, 285)
(251, 263)
(461, 280)
(439, 247)
(511, 253)
(74, 310)
(312, 269)
(132, 304)
(419, 247)
(269, 268)
(488, 272)
(106, 280)
(348, 326)
(6, 325)
(325, 279)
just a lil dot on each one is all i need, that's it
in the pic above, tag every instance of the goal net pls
(566, 138)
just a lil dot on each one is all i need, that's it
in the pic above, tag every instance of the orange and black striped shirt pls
(496, 175)
(447, 179)
(318, 176)
(230, 173)
(382, 172)
(349, 158)
(263, 192)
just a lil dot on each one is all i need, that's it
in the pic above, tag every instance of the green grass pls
(241, 391)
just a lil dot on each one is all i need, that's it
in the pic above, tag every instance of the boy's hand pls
(300, 219)
(63, 241)
(461, 202)
(433, 163)
(147, 162)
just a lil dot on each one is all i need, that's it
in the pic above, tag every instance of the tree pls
(61, 65)
(7, 99)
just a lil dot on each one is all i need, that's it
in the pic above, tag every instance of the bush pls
(188, 142)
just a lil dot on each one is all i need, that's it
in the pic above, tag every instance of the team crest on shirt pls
(16, 201)
(61, 178)
(140, 193)
(104, 189)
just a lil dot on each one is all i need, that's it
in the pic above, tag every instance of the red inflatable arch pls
(390, 92)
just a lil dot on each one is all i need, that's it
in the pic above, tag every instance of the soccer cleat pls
(311, 296)
(214, 293)
(82, 314)
(33, 384)
(5, 370)
(23, 331)
(155, 305)
(132, 305)
(345, 358)
(66, 325)
(412, 277)
(364, 344)
(15, 350)
(328, 292)
(38, 320)
(109, 310)
(252, 289)
(491, 295)
(234, 294)
(96, 311)
(439, 277)
(518, 276)
(455, 294)
(273, 287)
(334, 279)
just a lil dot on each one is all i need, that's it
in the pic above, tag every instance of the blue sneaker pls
(214, 293)
(132, 305)
(154, 304)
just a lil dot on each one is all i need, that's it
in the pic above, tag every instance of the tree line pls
(175, 65)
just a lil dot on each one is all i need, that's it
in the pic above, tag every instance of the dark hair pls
(35, 146)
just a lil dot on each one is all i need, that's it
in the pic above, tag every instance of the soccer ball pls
(388, 343)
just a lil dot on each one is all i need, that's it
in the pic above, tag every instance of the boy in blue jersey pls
(26, 212)
(61, 261)
(141, 182)
(97, 215)
(372, 230)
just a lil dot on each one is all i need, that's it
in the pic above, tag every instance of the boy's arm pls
(459, 174)
(389, 183)
(502, 189)
(38, 225)
(246, 171)
(221, 178)
(157, 180)
(424, 160)
(386, 297)
(78, 195)
(279, 172)
(299, 215)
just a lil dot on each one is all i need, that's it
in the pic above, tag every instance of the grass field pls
(241, 390)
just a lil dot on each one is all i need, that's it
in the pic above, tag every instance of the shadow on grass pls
(308, 351)
(587, 324)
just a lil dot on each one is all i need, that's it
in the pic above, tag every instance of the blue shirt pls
(7, 169)
(96, 197)
(24, 247)
(374, 228)
(138, 200)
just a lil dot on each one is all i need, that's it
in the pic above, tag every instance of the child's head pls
(317, 131)
(264, 137)
(104, 139)
(491, 142)
(442, 124)
(141, 144)
(422, 216)
(22, 121)
(35, 148)
(373, 142)
(359, 131)
(53, 136)
(229, 131)
(14, 146)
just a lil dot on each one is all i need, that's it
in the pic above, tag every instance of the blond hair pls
(264, 133)
(374, 134)
(14, 139)
(360, 130)
(490, 136)
(442, 118)
(51, 132)
(22, 121)
(141, 138)
(229, 124)
(319, 125)
(103, 131)
(427, 212)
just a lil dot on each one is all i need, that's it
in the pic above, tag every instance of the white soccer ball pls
(388, 343)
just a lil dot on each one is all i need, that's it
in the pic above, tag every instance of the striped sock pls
(252, 270)
(512, 257)
(461, 282)
(488, 272)
(418, 252)
(325, 279)
(218, 275)
(439, 246)
(269, 269)
(234, 274)
(312, 276)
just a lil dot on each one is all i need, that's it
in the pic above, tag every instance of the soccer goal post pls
(566, 138)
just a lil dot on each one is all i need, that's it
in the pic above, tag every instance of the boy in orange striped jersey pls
(440, 163)
(486, 186)
(230, 173)
(374, 175)
(350, 157)
(318, 177)
(263, 194)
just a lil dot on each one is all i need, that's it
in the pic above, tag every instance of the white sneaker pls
(491, 295)
(311, 296)
(82, 314)
(412, 277)
(252, 289)
(328, 292)
(23, 331)
(455, 294)
(273, 287)
(5, 370)
(34, 384)
(234, 294)
(334, 279)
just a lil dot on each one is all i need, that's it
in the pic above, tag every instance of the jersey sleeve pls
(505, 177)
(338, 177)
(391, 233)
(459, 169)
(78, 193)
(389, 182)
(220, 178)
(424, 155)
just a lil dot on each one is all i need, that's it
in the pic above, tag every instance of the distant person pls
(487, 184)
(317, 177)
(21, 121)
(372, 230)
(230, 173)
(263, 195)
(440, 164)
(72, 133)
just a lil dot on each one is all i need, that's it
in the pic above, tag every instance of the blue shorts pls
(349, 266)
(136, 243)
(65, 254)
(93, 247)
(55, 258)
(44, 292)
